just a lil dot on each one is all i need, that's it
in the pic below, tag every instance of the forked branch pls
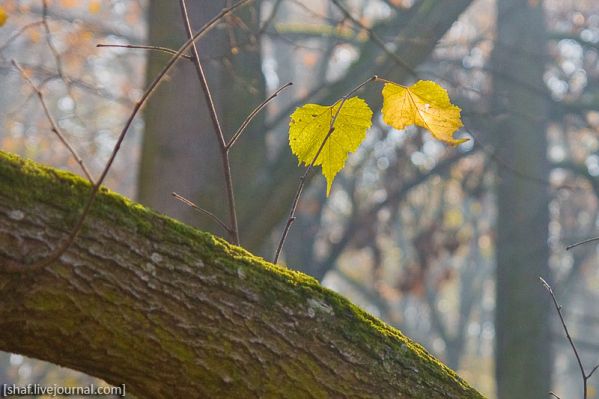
(585, 376)
(53, 125)
(14, 266)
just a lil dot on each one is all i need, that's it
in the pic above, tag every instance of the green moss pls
(30, 183)
(44, 302)
(177, 348)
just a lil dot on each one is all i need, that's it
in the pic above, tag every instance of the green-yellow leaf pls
(425, 104)
(3, 16)
(310, 125)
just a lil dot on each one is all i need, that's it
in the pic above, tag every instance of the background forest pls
(444, 243)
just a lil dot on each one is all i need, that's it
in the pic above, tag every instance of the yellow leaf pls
(310, 125)
(3, 16)
(425, 104)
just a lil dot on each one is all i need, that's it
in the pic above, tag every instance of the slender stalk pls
(376, 39)
(141, 47)
(53, 125)
(51, 45)
(569, 247)
(202, 210)
(584, 375)
(12, 266)
(19, 33)
(302, 179)
(253, 114)
(222, 144)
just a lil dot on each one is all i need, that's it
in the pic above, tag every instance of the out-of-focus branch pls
(53, 125)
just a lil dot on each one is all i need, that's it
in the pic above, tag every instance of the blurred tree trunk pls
(172, 312)
(180, 152)
(523, 347)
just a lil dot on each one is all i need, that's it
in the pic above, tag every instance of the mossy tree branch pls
(174, 312)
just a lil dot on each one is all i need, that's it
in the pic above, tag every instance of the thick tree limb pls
(173, 312)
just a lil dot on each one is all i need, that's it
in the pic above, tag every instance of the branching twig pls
(142, 47)
(234, 230)
(53, 125)
(202, 210)
(253, 114)
(300, 187)
(584, 375)
(19, 267)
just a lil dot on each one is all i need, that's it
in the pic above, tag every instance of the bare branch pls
(202, 210)
(253, 114)
(53, 125)
(585, 377)
(569, 247)
(19, 267)
(19, 33)
(142, 47)
(234, 231)
(376, 39)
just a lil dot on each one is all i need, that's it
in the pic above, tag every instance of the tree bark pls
(174, 312)
(523, 344)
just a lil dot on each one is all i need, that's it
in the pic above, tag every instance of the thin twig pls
(202, 210)
(53, 125)
(53, 48)
(569, 247)
(300, 187)
(253, 114)
(19, 33)
(58, 59)
(142, 47)
(234, 231)
(584, 375)
(376, 39)
(12, 266)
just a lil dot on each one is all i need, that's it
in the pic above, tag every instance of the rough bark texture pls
(174, 312)
(523, 344)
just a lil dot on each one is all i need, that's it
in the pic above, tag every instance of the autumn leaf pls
(310, 125)
(425, 104)
(3, 16)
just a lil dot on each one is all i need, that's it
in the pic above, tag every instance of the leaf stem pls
(302, 179)
(379, 79)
